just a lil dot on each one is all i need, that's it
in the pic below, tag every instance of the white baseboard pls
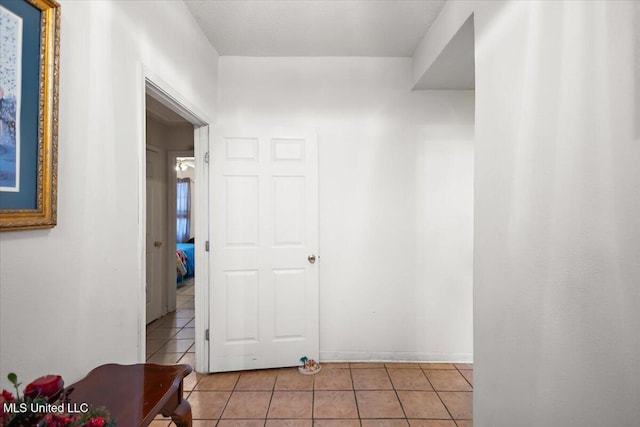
(392, 356)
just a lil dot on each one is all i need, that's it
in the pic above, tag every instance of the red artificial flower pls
(96, 422)
(47, 386)
(2, 414)
(8, 397)
(5, 397)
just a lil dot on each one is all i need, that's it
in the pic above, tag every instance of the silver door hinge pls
(206, 246)
(206, 157)
(206, 335)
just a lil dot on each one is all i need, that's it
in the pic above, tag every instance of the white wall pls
(69, 296)
(557, 236)
(444, 238)
(382, 296)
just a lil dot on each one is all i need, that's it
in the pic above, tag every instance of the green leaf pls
(13, 378)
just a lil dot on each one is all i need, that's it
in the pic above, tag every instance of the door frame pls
(150, 83)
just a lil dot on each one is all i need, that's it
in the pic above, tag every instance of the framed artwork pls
(29, 76)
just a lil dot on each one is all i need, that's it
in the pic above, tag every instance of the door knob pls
(157, 244)
(312, 258)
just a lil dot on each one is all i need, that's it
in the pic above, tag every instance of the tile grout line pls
(461, 391)
(273, 387)
(355, 397)
(406, 417)
(233, 389)
(439, 398)
(465, 378)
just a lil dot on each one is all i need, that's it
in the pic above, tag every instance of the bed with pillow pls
(185, 261)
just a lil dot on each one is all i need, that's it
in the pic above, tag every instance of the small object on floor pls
(309, 366)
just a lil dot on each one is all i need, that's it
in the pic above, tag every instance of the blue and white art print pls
(10, 93)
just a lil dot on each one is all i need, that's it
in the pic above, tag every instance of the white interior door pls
(153, 240)
(264, 291)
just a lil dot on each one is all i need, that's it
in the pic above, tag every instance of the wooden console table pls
(135, 394)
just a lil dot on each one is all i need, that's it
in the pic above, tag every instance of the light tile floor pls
(171, 338)
(340, 395)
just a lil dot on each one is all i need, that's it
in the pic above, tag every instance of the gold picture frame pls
(32, 201)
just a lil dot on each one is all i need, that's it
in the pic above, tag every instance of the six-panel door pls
(264, 290)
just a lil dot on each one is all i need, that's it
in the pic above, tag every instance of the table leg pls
(181, 416)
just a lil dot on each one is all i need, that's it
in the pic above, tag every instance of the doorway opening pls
(171, 326)
(184, 218)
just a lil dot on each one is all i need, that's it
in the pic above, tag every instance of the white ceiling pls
(315, 27)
